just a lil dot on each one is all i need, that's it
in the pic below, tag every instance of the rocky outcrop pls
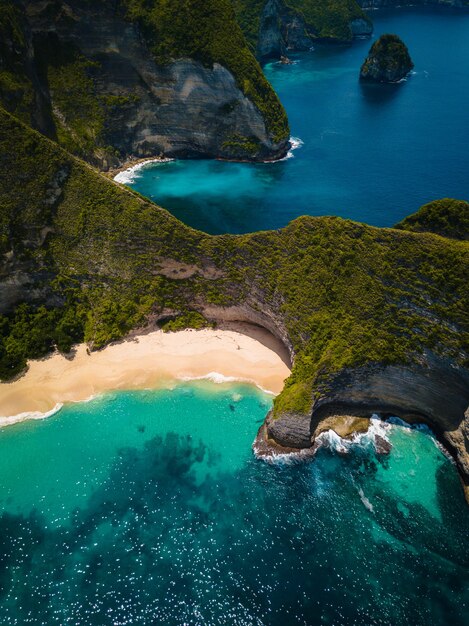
(435, 392)
(105, 97)
(388, 61)
(281, 29)
(286, 28)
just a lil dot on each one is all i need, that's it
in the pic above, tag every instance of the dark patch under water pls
(176, 532)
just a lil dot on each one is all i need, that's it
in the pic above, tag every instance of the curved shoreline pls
(145, 361)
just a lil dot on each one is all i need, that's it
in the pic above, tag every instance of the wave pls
(129, 175)
(219, 379)
(295, 143)
(30, 415)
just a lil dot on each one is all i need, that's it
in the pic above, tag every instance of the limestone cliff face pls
(122, 104)
(434, 392)
(284, 27)
(281, 29)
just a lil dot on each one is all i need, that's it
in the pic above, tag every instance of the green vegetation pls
(446, 217)
(190, 319)
(324, 19)
(208, 32)
(54, 87)
(239, 145)
(347, 294)
(330, 19)
(248, 14)
(16, 88)
(390, 53)
(79, 114)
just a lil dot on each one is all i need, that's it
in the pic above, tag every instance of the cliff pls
(374, 319)
(115, 80)
(388, 61)
(274, 27)
(446, 217)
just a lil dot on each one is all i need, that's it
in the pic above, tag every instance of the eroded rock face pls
(281, 29)
(182, 109)
(284, 29)
(388, 61)
(434, 392)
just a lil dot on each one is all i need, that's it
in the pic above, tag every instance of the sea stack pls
(388, 61)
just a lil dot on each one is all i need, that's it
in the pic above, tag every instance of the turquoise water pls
(370, 153)
(149, 508)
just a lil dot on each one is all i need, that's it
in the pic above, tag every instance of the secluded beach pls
(144, 361)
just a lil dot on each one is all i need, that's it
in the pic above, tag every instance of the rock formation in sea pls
(388, 61)
(115, 80)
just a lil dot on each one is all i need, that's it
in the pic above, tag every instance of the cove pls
(149, 508)
(371, 153)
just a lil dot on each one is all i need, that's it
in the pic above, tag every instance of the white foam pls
(31, 415)
(219, 379)
(365, 500)
(295, 143)
(130, 174)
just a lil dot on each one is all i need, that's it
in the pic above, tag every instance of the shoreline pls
(124, 174)
(147, 361)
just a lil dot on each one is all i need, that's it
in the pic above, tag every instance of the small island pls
(388, 61)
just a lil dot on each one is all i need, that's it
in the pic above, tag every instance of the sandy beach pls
(146, 361)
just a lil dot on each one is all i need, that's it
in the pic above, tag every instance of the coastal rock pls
(435, 392)
(293, 430)
(382, 446)
(135, 106)
(293, 26)
(388, 61)
(280, 29)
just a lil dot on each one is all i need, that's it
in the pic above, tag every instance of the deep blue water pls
(371, 153)
(149, 508)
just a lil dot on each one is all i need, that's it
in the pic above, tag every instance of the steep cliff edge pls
(432, 391)
(117, 80)
(374, 319)
(274, 27)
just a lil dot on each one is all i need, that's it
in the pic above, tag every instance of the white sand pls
(146, 361)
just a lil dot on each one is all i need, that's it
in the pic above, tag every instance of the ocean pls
(149, 507)
(371, 153)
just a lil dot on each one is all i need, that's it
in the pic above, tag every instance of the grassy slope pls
(347, 293)
(446, 217)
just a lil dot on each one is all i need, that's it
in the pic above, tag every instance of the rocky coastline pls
(434, 393)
